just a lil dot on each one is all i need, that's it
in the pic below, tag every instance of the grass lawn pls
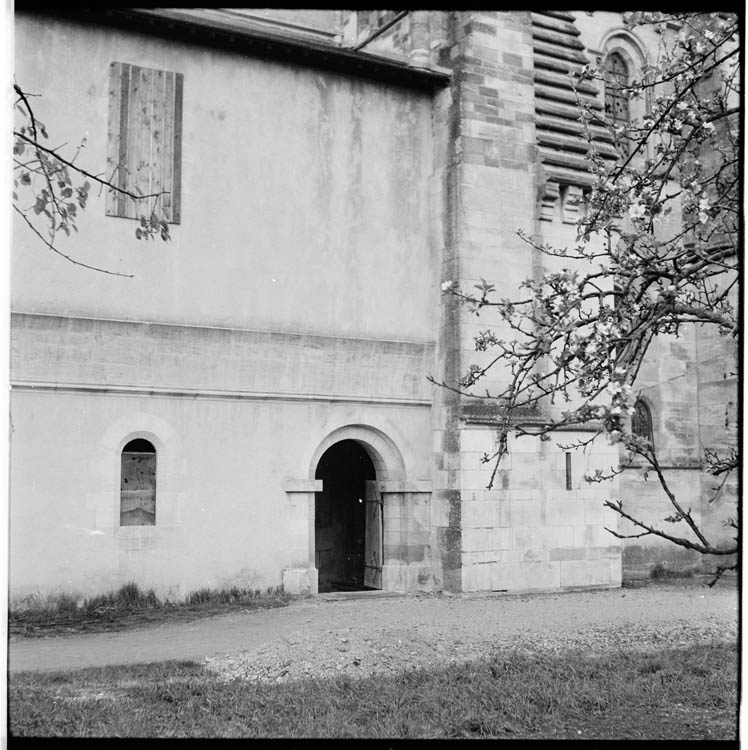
(674, 694)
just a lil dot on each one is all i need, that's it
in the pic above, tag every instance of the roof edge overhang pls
(234, 35)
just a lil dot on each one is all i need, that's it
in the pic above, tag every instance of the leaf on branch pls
(485, 287)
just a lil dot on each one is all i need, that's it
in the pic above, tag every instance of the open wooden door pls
(373, 546)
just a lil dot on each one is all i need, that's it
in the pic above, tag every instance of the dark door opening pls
(347, 520)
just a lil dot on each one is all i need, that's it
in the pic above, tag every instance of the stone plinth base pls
(300, 581)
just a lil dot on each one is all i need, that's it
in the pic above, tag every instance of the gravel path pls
(397, 635)
(375, 634)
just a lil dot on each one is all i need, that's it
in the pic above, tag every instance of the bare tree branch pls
(80, 170)
(657, 252)
(57, 203)
(61, 254)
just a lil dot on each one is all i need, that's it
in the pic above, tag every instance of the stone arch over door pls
(394, 491)
(384, 454)
(359, 540)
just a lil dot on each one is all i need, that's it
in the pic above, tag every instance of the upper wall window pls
(616, 101)
(641, 422)
(145, 141)
(138, 484)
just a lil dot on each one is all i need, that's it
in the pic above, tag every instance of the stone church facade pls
(250, 406)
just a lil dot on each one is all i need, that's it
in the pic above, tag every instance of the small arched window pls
(641, 422)
(138, 484)
(616, 76)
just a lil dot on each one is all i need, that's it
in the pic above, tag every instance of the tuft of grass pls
(232, 595)
(674, 694)
(128, 606)
(129, 597)
(660, 570)
(46, 605)
(252, 598)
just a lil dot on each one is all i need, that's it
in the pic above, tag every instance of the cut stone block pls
(300, 581)
(523, 576)
(476, 540)
(586, 573)
(476, 577)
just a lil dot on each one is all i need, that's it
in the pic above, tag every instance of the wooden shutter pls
(145, 140)
(138, 489)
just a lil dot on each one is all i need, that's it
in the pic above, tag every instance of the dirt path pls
(368, 634)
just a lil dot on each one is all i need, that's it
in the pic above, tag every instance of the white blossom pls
(703, 208)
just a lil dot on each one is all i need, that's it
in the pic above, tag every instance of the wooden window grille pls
(138, 484)
(616, 74)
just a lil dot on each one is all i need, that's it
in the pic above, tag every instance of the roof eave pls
(239, 37)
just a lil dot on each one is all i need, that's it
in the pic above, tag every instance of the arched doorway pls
(347, 520)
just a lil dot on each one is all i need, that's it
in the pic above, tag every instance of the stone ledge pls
(302, 485)
(73, 353)
(395, 485)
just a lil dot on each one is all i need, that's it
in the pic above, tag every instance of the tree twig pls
(63, 255)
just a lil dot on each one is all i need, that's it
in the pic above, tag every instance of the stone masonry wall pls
(446, 198)
(108, 353)
(527, 531)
